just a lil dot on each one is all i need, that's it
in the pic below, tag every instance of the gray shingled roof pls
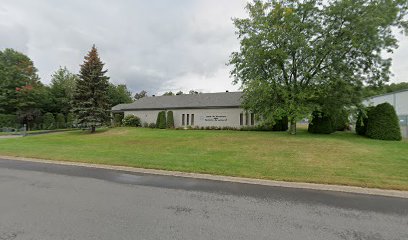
(202, 100)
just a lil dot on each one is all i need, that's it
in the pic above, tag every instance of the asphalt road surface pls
(51, 202)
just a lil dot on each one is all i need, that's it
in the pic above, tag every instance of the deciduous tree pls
(140, 95)
(118, 94)
(294, 53)
(18, 77)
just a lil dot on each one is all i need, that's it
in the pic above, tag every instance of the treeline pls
(370, 91)
(24, 99)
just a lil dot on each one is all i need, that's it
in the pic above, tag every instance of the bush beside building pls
(170, 119)
(131, 121)
(321, 123)
(383, 123)
(161, 120)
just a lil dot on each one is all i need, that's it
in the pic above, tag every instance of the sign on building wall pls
(214, 118)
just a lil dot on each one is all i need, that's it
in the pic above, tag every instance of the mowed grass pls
(341, 158)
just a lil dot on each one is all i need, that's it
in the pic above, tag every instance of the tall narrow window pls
(192, 119)
(188, 116)
(182, 120)
(241, 119)
(246, 119)
(252, 119)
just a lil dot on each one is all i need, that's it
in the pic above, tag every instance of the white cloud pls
(157, 46)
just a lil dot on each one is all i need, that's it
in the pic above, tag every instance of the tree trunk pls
(292, 129)
(92, 128)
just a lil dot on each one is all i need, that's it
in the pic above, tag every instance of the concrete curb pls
(312, 186)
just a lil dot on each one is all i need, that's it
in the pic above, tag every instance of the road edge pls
(264, 182)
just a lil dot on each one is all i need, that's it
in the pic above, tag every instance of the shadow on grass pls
(88, 131)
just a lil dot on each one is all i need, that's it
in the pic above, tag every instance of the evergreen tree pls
(161, 120)
(48, 121)
(170, 119)
(70, 120)
(62, 88)
(383, 123)
(60, 120)
(91, 104)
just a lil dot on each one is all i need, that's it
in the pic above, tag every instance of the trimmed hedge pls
(383, 123)
(161, 120)
(321, 124)
(48, 121)
(131, 121)
(281, 125)
(170, 119)
(8, 120)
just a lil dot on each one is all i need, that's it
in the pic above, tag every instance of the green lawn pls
(340, 158)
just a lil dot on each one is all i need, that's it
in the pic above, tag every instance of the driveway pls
(47, 201)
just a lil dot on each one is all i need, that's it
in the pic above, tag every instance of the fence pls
(23, 129)
(16, 130)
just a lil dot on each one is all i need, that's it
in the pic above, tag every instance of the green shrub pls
(161, 120)
(170, 119)
(158, 119)
(145, 125)
(117, 119)
(228, 128)
(341, 121)
(383, 123)
(280, 125)
(70, 120)
(8, 120)
(60, 120)
(362, 121)
(131, 121)
(321, 123)
(152, 125)
(250, 128)
(48, 121)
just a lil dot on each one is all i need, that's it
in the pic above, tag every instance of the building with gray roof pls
(195, 110)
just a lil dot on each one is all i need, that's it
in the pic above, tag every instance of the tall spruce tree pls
(91, 103)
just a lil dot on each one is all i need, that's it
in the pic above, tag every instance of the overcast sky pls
(157, 45)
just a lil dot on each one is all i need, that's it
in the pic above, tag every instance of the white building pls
(195, 110)
(399, 100)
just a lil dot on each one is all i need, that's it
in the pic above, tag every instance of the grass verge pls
(341, 158)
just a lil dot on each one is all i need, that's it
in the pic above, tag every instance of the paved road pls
(46, 201)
